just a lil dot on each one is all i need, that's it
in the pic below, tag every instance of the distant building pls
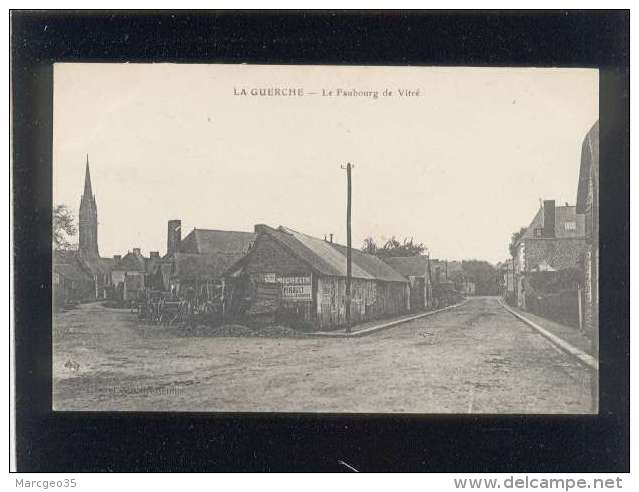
(72, 280)
(467, 287)
(69, 264)
(292, 276)
(588, 205)
(417, 270)
(129, 275)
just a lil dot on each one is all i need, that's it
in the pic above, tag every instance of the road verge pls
(581, 356)
(382, 326)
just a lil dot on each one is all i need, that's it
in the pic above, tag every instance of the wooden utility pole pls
(348, 246)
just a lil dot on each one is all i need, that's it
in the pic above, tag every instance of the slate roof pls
(415, 266)
(191, 266)
(330, 258)
(320, 254)
(372, 264)
(207, 253)
(209, 241)
(563, 214)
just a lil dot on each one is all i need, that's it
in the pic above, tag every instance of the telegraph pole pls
(348, 246)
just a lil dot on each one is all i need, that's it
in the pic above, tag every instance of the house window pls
(539, 232)
(570, 226)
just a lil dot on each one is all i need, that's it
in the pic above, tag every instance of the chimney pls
(173, 236)
(117, 258)
(136, 251)
(154, 254)
(260, 228)
(331, 238)
(549, 218)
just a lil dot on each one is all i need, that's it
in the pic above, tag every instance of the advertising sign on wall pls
(296, 289)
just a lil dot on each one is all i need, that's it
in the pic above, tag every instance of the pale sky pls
(459, 168)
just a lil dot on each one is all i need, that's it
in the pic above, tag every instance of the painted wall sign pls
(294, 280)
(296, 288)
(297, 292)
(270, 278)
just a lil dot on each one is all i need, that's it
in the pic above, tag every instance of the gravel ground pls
(476, 358)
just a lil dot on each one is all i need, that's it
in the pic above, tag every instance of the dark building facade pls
(293, 276)
(588, 204)
(417, 270)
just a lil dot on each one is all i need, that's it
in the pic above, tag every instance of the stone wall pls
(558, 253)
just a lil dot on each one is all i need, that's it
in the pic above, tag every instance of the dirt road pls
(476, 358)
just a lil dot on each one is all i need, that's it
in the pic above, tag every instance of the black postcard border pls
(147, 442)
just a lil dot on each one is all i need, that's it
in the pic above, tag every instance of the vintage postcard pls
(251, 238)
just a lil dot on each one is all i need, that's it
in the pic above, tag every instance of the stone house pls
(554, 240)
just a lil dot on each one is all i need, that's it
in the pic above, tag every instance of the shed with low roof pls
(296, 276)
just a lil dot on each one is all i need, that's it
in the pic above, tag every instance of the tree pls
(407, 247)
(369, 246)
(63, 227)
(393, 247)
(483, 274)
(516, 236)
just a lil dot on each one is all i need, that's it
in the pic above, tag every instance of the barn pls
(417, 270)
(293, 276)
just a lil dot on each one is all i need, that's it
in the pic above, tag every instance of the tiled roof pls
(208, 241)
(189, 266)
(330, 258)
(373, 265)
(415, 266)
(320, 254)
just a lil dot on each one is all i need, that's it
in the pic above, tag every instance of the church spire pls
(88, 192)
(88, 219)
